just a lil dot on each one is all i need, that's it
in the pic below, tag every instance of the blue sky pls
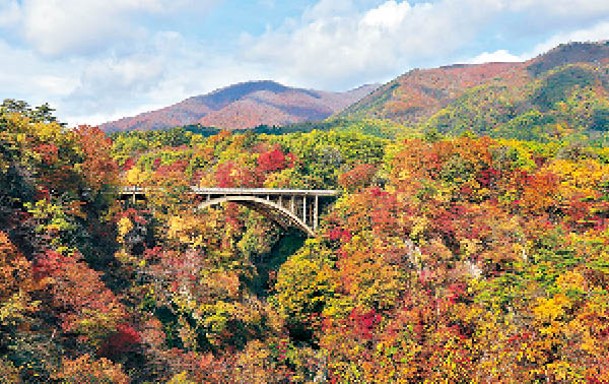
(97, 60)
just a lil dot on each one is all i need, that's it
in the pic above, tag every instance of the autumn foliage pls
(458, 259)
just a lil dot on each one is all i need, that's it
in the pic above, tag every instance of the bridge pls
(296, 208)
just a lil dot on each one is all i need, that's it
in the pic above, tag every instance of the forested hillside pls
(561, 94)
(458, 259)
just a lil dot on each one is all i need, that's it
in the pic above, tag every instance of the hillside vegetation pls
(559, 95)
(458, 259)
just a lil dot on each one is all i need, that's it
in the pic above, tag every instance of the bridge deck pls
(240, 191)
(264, 191)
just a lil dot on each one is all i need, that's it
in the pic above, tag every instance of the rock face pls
(245, 105)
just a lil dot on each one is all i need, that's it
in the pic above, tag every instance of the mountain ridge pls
(245, 105)
(563, 90)
(482, 98)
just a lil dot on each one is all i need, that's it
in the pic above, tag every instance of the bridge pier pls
(316, 214)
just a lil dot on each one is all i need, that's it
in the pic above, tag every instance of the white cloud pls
(56, 27)
(24, 75)
(597, 32)
(499, 56)
(328, 9)
(165, 71)
(10, 13)
(388, 15)
(337, 44)
(97, 59)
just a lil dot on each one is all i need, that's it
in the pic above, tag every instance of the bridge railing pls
(263, 191)
(129, 190)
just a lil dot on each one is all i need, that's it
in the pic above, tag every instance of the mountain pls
(419, 93)
(561, 92)
(245, 105)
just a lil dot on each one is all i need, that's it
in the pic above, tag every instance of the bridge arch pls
(298, 208)
(268, 208)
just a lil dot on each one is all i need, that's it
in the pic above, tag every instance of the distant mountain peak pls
(575, 52)
(245, 105)
(222, 97)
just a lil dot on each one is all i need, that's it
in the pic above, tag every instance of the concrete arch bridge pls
(297, 208)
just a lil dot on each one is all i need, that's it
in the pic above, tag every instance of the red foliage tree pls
(86, 306)
(98, 167)
(359, 177)
(233, 175)
(274, 160)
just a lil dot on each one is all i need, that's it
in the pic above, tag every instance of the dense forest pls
(450, 259)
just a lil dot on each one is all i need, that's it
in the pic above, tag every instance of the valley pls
(451, 225)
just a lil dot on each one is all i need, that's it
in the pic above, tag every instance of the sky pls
(99, 60)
